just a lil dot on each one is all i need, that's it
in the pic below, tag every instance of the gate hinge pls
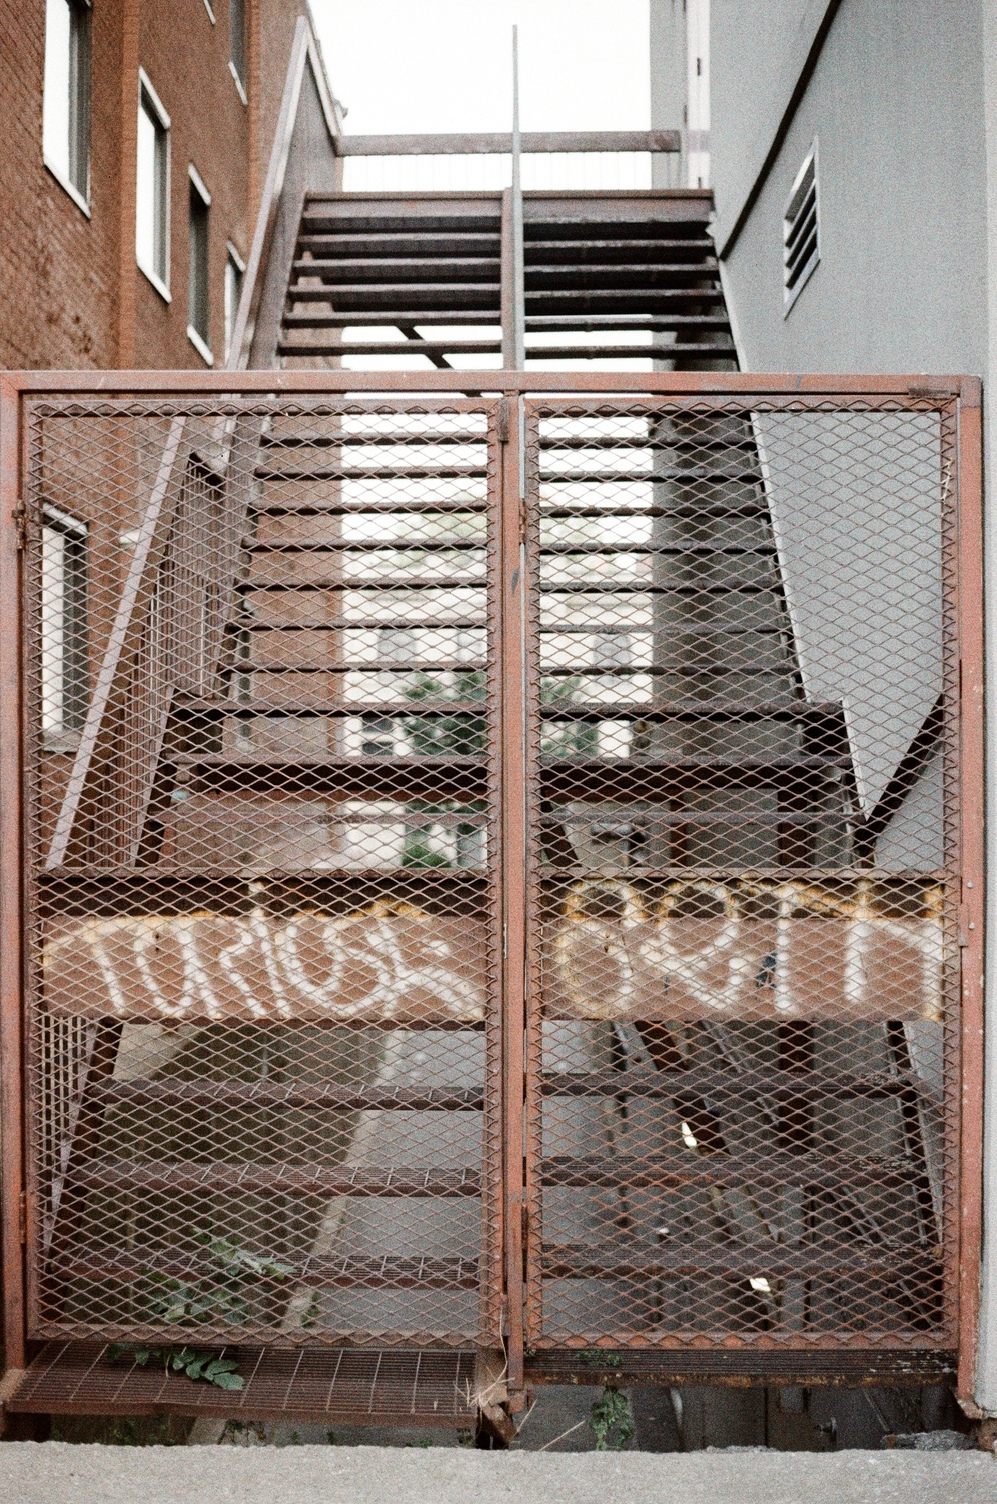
(928, 391)
(503, 420)
(965, 925)
(22, 1209)
(20, 516)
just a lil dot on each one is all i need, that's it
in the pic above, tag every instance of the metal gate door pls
(471, 919)
(263, 774)
(743, 807)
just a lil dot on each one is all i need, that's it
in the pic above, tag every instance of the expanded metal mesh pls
(743, 1068)
(262, 709)
(269, 910)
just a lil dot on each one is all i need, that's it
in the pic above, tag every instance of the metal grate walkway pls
(308, 1385)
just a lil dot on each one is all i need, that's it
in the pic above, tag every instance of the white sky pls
(444, 65)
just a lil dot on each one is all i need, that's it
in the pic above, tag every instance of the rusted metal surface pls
(744, 871)
(12, 1100)
(296, 681)
(972, 869)
(318, 1387)
(729, 1367)
(141, 597)
(514, 937)
(544, 887)
(706, 384)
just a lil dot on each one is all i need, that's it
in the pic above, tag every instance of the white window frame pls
(232, 258)
(790, 294)
(193, 334)
(55, 642)
(78, 102)
(151, 104)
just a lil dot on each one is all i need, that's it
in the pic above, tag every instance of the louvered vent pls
(801, 231)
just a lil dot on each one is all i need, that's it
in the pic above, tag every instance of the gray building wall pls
(896, 103)
(757, 48)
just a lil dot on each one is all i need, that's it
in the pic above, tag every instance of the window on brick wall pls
(198, 299)
(64, 677)
(66, 109)
(237, 43)
(152, 196)
(235, 269)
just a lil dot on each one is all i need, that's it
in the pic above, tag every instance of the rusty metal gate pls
(494, 865)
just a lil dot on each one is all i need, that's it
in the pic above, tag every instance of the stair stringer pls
(303, 157)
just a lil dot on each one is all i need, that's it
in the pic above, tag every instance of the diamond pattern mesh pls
(266, 889)
(741, 801)
(263, 711)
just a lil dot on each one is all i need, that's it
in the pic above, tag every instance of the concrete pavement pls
(57, 1473)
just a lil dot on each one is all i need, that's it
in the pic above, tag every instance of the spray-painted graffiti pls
(766, 951)
(385, 963)
(775, 951)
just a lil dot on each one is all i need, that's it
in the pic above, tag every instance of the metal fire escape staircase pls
(735, 732)
(334, 744)
(601, 265)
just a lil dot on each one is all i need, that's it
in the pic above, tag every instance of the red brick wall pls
(60, 272)
(188, 66)
(272, 34)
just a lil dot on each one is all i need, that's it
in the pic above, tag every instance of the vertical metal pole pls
(12, 1084)
(513, 764)
(971, 816)
(513, 758)
(513, 884)
(507, 283)
(518, 296)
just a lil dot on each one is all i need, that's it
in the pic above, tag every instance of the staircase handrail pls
(167, 636)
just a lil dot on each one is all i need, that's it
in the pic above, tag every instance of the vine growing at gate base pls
(611, 1421)
(223, 1294)
(186, 1360)
(220, 1295)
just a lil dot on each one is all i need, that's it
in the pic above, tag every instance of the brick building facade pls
(71, 291)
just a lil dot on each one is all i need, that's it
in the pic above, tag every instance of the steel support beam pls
(484, 143)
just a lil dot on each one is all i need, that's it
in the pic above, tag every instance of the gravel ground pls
(56, 1472)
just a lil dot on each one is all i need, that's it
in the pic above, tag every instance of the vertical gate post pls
(970, 597)
(11, 1051)
(513, 712)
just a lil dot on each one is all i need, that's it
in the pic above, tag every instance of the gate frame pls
(511, 387)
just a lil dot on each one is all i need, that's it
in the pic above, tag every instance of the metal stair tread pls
(302, 1177)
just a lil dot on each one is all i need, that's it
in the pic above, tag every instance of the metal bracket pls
(20, 518)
